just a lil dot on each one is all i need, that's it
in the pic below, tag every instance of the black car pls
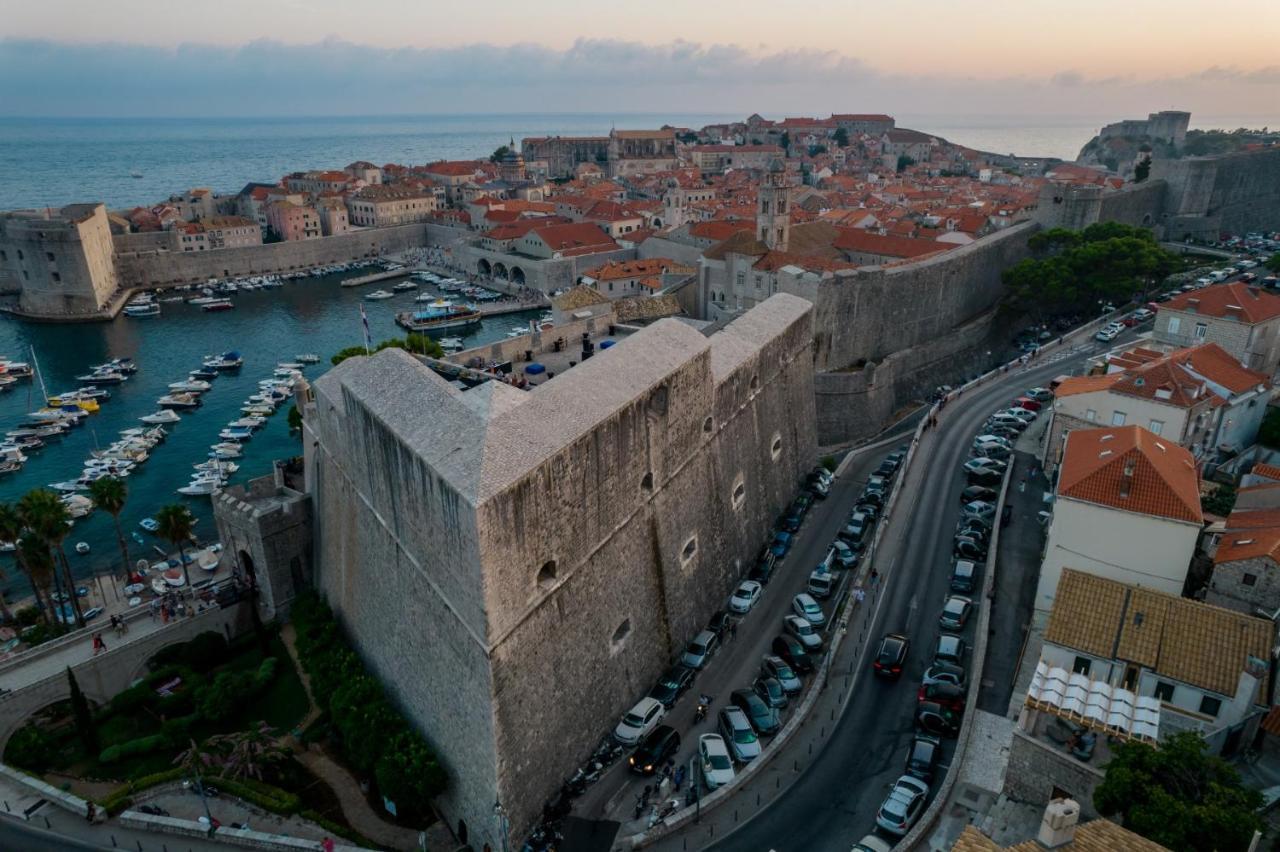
(886, 469)
(654, 750)
(969, 548)
(672, 684)
(937, 720)
(949, 696)
(871, 510)
(985, 477)
(790, 522)
(790, 650)
(978, 492)
(721, 623)
(940, 672)
(892, 656)
(875, 498)
(762, 717)
(897, 455)
(802, 503)
(763, 569)
(923, 756)
(974, 528)
(770, 691)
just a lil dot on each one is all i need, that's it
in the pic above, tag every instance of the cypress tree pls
(83, 716)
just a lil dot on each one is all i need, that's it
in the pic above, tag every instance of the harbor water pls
(305, 316)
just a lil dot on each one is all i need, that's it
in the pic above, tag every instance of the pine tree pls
(83, 716)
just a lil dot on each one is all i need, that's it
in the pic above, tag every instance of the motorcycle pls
(704, 705)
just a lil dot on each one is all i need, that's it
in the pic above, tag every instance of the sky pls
(335, 57)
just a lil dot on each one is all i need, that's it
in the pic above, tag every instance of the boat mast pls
(40, 376)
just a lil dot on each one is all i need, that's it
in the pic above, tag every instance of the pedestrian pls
(155, 605)
(875, 577)
(91, 812)
(859, 595)
(733, 628)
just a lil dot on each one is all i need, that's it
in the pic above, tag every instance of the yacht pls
(225, 361)
(403, 286)
(149, 309)
(16, 369)
(182, 401)
(307, 358)
(191, 385)
(164, 415)
(204, 374)
(378, 295)
(201, 487)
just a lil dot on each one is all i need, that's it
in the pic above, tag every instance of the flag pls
(364, 320)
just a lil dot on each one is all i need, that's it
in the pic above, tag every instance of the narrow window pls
(1210, 705)
(739, 493)
(690, 549)
(619, 639)
(706, 425)
(1249, 579)
(547, 575)
(647, 481)
(1081, 666)
(1164, 691)
(776, 447)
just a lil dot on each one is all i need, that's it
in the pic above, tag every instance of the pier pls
(361, 280)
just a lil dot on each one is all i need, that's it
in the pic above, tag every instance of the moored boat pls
(439, 315)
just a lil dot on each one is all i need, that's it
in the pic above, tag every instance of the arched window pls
(647, 481)
(547, 574)
(776, 447)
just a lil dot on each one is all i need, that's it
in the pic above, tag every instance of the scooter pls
(704, 705)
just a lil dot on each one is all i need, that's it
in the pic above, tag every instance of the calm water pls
(305, 316)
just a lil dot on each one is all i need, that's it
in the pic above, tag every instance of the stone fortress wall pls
(551, 602)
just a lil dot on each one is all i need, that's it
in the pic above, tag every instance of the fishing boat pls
(307, 358)
(225, 361)
(439, 315)
(181, 401)
(148, 309)
(164, 415)
(217, 305)
(82, 547)
(404, 286)
(149, 524)
(378, 295)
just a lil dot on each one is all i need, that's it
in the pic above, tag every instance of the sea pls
(51, 162)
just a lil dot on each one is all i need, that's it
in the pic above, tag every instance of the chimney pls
(1058, 825)
(1126, 478)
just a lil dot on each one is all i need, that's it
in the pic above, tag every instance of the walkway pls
(355, 805)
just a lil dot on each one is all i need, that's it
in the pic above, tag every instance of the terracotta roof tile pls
(1266, 471)
(1235, 299)
(1099, 835)
(1129, 468)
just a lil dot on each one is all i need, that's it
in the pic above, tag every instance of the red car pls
(947, 695)
(1027, 403)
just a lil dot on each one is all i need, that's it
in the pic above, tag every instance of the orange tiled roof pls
(575, 238)
(1267, 471)
(855, 240)
(1236, 299)
(1127, 467)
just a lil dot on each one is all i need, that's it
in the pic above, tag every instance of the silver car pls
(903, 806)
(807, 608)
(736, 729)
(803, 631)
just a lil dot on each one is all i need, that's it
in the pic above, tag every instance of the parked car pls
(898, 456)
(1004, 418)
(1027, 403)
(781, 545)
(821, 583)
(1003, 440)
(762, 570)
(741, 738)
(955, 613)
(949, 695)
(672, 684)
(979, 509)
(969, 548)
(1106, 335)
(639, 721)
(661, 745)
(770, 691)
(790, 522)
(745, 596)
(944, 673)
(873, 498)
(950, 649)
(903, 806)
(1040, 394)
(699, 651)
(855, 531)
(1025, 413)
(877, 484)
(792, 652)
(721, 623)
(964, 575)
(717, 766)
(802, 630)
(806, 607)
(983, 465)
(761, 716)
(922, 756)
(978, 492)
(871, 510)
(871, 843)
(776, 668)
(891, 656)
(843, 555)
(886, 469)
(1000, 452)
(935, 719)
(802, 503)
(1143, 314)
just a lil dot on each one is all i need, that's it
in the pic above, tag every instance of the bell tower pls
(773, 207)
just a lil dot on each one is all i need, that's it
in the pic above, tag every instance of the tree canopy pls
(841, 137)
(1179, 796)
(1273, 263)
(1072, 270)
(500, 152)
(419, 344)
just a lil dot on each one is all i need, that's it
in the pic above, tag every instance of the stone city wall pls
(1037, 769)
(161, 269)
(1140, 205)
(1235, 193)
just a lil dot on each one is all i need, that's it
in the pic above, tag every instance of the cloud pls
(338, 77)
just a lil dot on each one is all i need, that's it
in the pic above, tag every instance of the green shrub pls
(156, 778)
(409, 774)
(263, 795)
(342, 831)
(202, 653)
(177, 730)
(220, 700)
(132, 699)
(26, 616)
(31, 748)
(117, 803)
(266, 673)
(829, 462)
(132, 748)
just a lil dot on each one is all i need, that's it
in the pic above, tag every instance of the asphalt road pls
(834, 803)
(27, 837)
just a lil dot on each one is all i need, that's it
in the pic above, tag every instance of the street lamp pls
(501, 813)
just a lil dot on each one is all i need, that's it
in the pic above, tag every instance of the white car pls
(1107, 334)
(639, 721)
(807, 608)
(717, 766)
(993, 439)
(903, 806)
(1024, 413)
(745, 596)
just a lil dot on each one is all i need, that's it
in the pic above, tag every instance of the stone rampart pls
(150, 268)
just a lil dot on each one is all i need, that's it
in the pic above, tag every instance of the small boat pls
(439, 315)
(225, 361)
(217, 305)
(82, 547)
(201, 487)
(179, 401)
(68, 486)
(451, 344)
(403, 286)
(174, 577)
(218, 466)
(201, 301)
(10, 466)
(149, 524)
(164, 415)
(378, 295)
(226, 451)
(204, 374)
(105, 377)
(239, 434)
(135, 175)
(250, 421)
(150, 309)
(158, 586)
(190, 385)
(78, 506)
(307, 358)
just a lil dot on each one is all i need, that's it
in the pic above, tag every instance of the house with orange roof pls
(620, 279)
(1243, 319)
(1199, 397)
(1246, 561)
(1126, 507)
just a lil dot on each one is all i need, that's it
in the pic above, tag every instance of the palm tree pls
(5, 614)
(47, 517)
(109, 494)
(11, 531)
(245, 754)
(34, 557)
(175, 523)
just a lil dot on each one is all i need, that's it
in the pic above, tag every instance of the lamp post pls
(501, 813)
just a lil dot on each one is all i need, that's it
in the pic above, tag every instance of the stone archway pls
(500, 271)
(656, 223)
(517, 275)
(484, 267)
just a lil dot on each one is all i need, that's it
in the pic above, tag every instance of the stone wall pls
(266, 527)
(539, 274)
(1036, 769)
(161, 268)
(1235, 193)
(1227, 587)
(1140, 205)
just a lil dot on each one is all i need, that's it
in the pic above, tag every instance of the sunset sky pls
(144, 57)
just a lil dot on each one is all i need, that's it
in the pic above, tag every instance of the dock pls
(361, 280)
(497, 309)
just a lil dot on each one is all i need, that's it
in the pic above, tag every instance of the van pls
(821, 583)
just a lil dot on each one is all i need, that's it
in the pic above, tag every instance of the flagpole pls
(364, 321)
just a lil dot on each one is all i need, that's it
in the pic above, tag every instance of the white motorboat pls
(190, 385)
(179, 401)
(82, 547)
(251, 421)
(143, 309)
(69, 486)
(403, 286)
(77, 505)
(227, 450)
(218, 466)
(225, 361)
(164, 415)
(307, 358)
(202, 487)
(378, 295)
